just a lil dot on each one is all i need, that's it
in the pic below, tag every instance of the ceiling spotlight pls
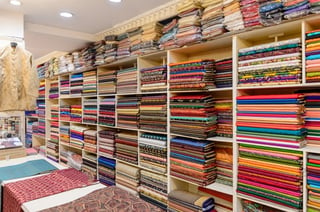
(117, 1)
(15, 2)
(66, 14)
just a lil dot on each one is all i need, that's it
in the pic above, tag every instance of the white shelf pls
(221, 89)
(267, 203)
(221, 139)
(153, 131)
(311, 149)
(269, 86)
(221, 188)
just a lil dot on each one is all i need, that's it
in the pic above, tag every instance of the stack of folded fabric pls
(212, 19)
(107, 171)
(107, 111)
(89, 166)
(153, 113)
(277, 63)
(55, 112)
(110, 54)
(153, 151)
(90, 110)
(71, 159)
(128, 111)
(169, 31)
(271, 120)
(41, 108)
(314, 6)
(78, 61)
(41, 69)
(233, 19)
(224, 121)
(42, 128)
(76, 113)
(53, 68)
(90, 141)
(249, 205)
(135, 40)
(223, 75)
(189, 30)
(270, 12)
(150, 37)
(53, 143)
(179, 200)
(127, 80)
(127, 146)
(76, 84)
(89, 83)
(88, 54)
(106, 143)
(250, 13)
(77, 136)
(127, 177)
(193, 160)
(64, 87)
(54, 89)
(153, 188)
(224, 163)
(107, 81)
(42, 89)
(192, 75)
(65, 112)
(154, 79)
(295, 8)
(123, 49)
(32, 127)
(313, 181)
(312, 118)
(65, 64)
(100, 49)
(271, 174)
(193, 116)
(65, 134)
(313, 56)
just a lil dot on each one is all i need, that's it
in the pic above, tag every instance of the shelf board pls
(126, 128)
(90, 159)
(121, 62)
(107, 95)
(71, 97)
(311, 149)
(220, 89)
(189, 91)
(52, 119)
(89, 151)
(128, 94)
(221, 188)
(155, 55)
(264, 145)
(153, 92)
(270, 86)
(154, 131)
(69, 145)
(220, 139)
(267, 203)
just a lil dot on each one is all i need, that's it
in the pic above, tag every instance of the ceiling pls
(46, 31)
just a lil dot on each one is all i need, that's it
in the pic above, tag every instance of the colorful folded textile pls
(153, 151)
(53, 143)
(107, 143)
(128, 176)
(54, 89)
(76, 113)
(277, 63)
(153, 113)
(99, 50)
(270, 12)
(66, 63)
(169, 31)
(223, 75)
(90, 141)
(193, 116)
(224, 163)
(192, 75)
(312, 118)
(127, 146)
(54, 112)
(107, 111)
(107, 81)
(222, 201)
(89, 83)
(111, 46)
(224, 118)
(312, 56)
(64, 134)
(128, 112)
(76, 84)
(77, 136)
(314, 6)
(123, 49)
(90, 110)
(41, 108)
(16, 193)
(295, 9)
(233, 19)
(127, 80)
(65, 113)
(272, 120)
(271, 174)
(313, 181)
(180, 200)
(106, 170)
(250, 13)
(64, 87)
(193, 160)
(154, 79)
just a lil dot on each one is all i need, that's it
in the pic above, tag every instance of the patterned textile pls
(107, 111)
(224, 163)
(64, 87)
(89, 83)
(76, 84)
(76, 113)
(111, 46)
(154, 79)
(26, 190)
(312, 118)
(107, 170)
(233, 19)
(223, 76)
(107, 143)
(313, 181)
(111, 199)
(295, 9)
(128, 112)
(77, 136)
(224, 120)
(250, 13)
(54, 89)
(270, 12)
(169, 32)
(271, 174)
(313, 56)
(107, 81)
(53, 143)
(127, 80)
(277, 63)
(90, 110)
(127, 146)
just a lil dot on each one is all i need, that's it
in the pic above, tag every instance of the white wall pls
(11, 26)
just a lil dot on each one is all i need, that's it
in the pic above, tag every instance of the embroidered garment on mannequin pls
(18, 81)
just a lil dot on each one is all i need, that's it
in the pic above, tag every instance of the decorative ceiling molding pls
(60, 32)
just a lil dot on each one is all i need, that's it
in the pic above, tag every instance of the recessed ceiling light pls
(15, 2)
(117, 1)
(66, 14)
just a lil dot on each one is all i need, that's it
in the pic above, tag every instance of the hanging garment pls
(18, 81)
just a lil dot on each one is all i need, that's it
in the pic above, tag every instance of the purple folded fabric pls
(303, 7)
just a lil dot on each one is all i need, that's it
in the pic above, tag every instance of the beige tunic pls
(19, 83)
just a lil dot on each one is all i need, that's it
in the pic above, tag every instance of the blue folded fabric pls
(190, 142)
(187, 158)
